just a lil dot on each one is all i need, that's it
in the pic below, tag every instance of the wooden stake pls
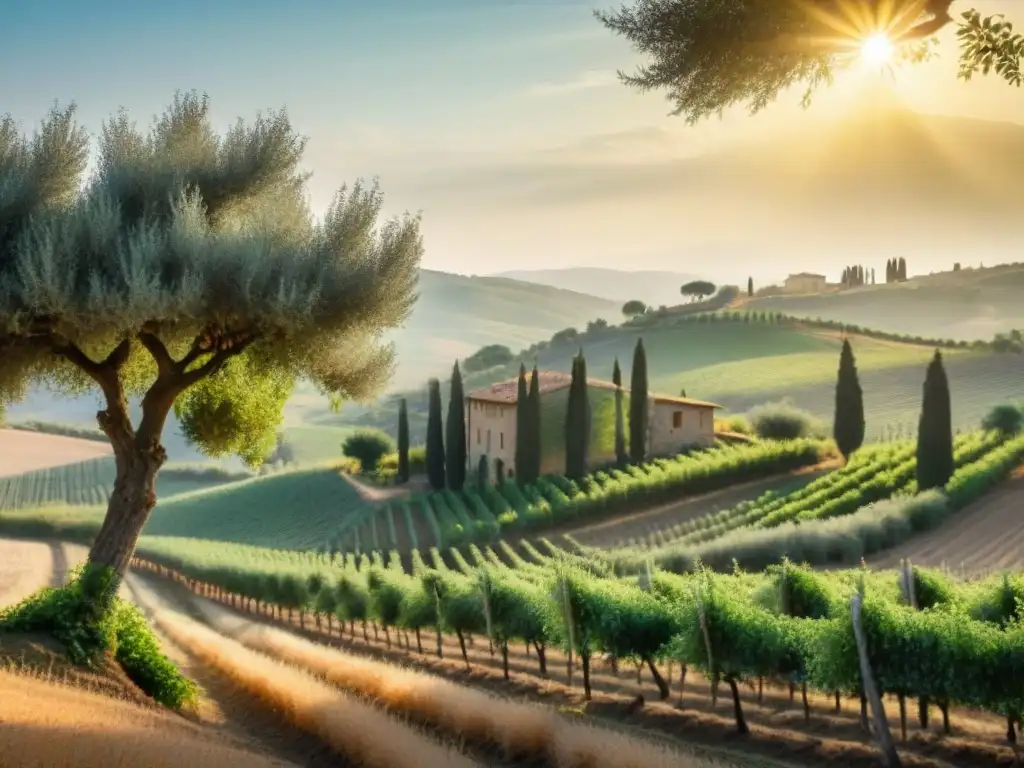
(889, 755)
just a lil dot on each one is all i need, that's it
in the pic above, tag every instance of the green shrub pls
(69, 615)
(368, 446)
(1007, 419)
(784, 421)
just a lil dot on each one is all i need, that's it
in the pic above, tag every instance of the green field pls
(292, 509)
(90, 483)
(740, 365)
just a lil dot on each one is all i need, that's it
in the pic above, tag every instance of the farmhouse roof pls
(552, 381)
(806, 274)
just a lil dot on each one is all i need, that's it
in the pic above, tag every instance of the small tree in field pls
(403, 442)
(709, 55)
(935, 429)
(435, 458)
(697, 289)
(848, 424)
(368, 446)
(633, 308)
(187, 272)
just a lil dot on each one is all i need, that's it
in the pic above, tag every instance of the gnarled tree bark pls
(138, 454)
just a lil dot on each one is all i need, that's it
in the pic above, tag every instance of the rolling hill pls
(296, 509)
(653, 287)
(973, 303)
(740, 365)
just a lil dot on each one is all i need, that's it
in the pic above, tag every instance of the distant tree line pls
(896, 270)
(856, 276)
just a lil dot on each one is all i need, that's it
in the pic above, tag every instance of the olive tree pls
(187, 271)
(708, 55)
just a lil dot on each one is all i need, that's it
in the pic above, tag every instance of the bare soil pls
(22, 451)
(986, 536)
(778, 727)
(610, 533)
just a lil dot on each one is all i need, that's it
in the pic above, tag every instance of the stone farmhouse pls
(673, 422)
(805, 282)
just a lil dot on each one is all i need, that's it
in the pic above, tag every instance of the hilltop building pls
(673, 422)
(805, 282)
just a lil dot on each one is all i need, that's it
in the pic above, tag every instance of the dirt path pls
(613, 532)
(25, 567)
(987, 536)
(373, 493)
(231, 718)
(238, 718)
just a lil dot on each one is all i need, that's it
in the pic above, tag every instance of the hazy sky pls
(432, 96)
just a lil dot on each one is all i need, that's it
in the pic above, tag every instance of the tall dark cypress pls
(584, 416)
(638, 405)
(620, 429)
(435, 437)
(403, 442)
(576, 422)
(536, 449)
(455, 434)
(902, 270)
(935, 429)
(523, 423)
(848, 426)
(750, 286)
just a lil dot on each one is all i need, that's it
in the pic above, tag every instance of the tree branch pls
(164, 362)
(228, 348)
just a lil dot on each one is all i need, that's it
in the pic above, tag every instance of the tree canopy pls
(697, 289)
(182, 250)
(633, 307)
(708, 55)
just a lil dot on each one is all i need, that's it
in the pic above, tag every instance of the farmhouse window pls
(677, 419)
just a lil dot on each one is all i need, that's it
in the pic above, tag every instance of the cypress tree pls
(455, 437)
(901, 275)
(536, 454)
(435, 437)
(638, 405)
(524, 444)
(750, 286)
(572, 426)
(584, 416)
(403, 441)
(935, 429)
(848, 427)
(620, 433)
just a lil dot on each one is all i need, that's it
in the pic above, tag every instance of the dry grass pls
(356, 730)
(25, 567)
(46, 725)
(520, 730)
(22, 451)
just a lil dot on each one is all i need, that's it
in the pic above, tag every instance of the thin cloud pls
(594, 78)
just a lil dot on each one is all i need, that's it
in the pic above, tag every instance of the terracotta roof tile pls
(552, 381)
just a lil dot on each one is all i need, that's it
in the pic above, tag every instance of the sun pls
(876, 50)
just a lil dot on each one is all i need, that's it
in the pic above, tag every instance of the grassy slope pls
(740, 365)
(290, 509)
(88, 482)
(970, 304)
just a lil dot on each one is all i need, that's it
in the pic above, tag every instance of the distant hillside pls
(454, 316)
(649, 286)
(741, 364)
(969, 304)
